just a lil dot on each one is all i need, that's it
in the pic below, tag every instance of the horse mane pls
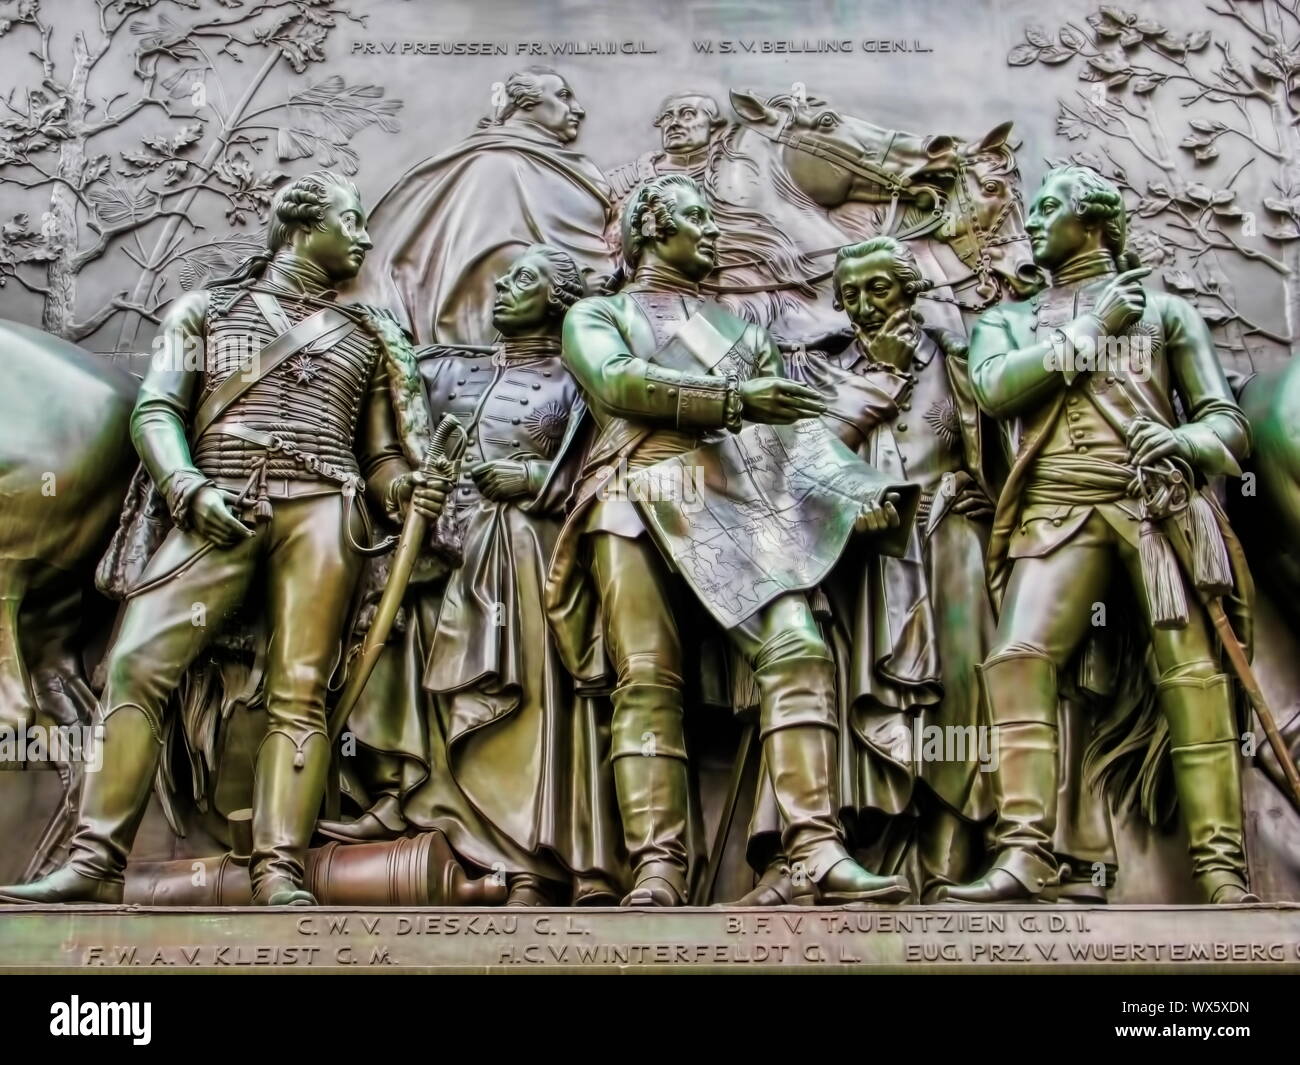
(749, 235)
(1003, 157)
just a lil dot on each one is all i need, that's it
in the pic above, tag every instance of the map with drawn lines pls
(762, 512)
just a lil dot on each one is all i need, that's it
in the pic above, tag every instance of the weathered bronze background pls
(140, 142)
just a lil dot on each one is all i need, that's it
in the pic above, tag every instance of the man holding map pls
(672, 379)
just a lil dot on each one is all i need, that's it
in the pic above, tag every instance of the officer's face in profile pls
(523, 295)
(558, 110)
(869, 290)
(693, 248)
(339, 244)
(1056, 234)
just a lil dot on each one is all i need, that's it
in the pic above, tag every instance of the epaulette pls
(222, 297)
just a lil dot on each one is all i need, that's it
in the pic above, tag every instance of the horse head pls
(984, 220)
(835, 158)
(965, 194)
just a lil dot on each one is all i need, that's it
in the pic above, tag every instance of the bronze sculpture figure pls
(261, 481)
(633, 356)
(440, 251)
(1102, 465)
(689, 123)
(507, 761)
(907, 632)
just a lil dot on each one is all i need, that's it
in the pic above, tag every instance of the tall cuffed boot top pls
(114, 798)
(1021, 693)
(1207, 776)
(288, 786)
(648, 750)
(800, 750)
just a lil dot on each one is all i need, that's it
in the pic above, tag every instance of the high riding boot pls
(652, 803)
(774, 887)
(1021, 693)
(650, 780)
(288, 785)
(800, 747)
(1207, 775)
(803, 765)
(113, 802)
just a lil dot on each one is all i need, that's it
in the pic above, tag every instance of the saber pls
(441, 459)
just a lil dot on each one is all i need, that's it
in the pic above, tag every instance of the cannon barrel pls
(417, 870)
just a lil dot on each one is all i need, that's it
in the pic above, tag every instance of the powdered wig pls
(566, 279)
(905, 267)
(1096, 201)
(523, 92)
(302, 204)
(648, 213)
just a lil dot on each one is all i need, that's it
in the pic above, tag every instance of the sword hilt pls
(446, 446)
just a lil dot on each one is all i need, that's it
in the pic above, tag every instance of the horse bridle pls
(981, 275)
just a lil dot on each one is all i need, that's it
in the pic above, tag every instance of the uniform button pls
(461, 381)
(649, 388)
(672, 391)
(524, 402)
(902, 427)
(1082, 448)
(514, 421)
(905, 406)
(546, 373)
(1056, 521)
(536, 386)
(1110, 379)
(451, 395)
(475, 369)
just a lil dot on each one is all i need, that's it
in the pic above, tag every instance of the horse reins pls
(979, 276)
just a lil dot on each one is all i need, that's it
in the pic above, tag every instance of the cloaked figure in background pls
(456, 222)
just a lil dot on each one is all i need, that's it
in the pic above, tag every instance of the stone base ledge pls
(1261, 938)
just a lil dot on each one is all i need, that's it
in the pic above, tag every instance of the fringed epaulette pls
(411, 414)
(404, 383)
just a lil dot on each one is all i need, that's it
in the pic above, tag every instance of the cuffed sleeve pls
(597, 355)
(379, 450)
(1216, 432)
(164, 406)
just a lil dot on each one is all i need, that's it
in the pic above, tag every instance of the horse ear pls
(996, 137)
(750, 107)
(939, 145)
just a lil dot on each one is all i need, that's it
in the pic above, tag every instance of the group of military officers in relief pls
(532, 707)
